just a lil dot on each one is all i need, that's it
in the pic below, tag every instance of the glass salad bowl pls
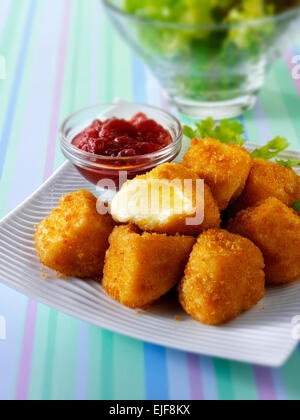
(214, 69)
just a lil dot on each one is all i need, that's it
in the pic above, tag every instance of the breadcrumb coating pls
(223, 278)
(174, 222)
(74, 238)
(142, 267)
(224, 167)
(275, 229)
(268, 179)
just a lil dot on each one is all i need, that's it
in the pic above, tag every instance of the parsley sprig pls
(228, 131)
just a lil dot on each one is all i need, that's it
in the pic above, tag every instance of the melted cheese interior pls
(153, 200)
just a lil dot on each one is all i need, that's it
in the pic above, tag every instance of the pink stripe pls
(58, 92)
(195, 377)
(265, 384)
(31, 314)
(289, 60)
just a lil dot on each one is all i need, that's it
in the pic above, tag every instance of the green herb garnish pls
(226, 132)
(289, 163)
(272, 149)
(296, 206)
(232, 132)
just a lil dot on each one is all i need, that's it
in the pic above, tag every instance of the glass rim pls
(212, 26)
(90, 157)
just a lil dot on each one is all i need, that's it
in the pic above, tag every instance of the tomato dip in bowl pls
(111, 143)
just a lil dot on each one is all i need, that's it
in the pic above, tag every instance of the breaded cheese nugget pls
(224, 167)
(142, 267)
(74, 238)
(223, 278)
(169, 199)
(268, 179)
(275, 229)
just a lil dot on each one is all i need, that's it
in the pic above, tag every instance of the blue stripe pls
(179, 386)
(208, 374)
(279, 385)
(16, 86)
(156, 375)
(242, 121)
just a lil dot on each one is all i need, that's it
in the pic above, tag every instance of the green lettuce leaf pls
(272, 149)
(289, 163)
(226, 132)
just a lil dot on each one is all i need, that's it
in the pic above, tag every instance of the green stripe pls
(106, 369)
(94, 363)
(100, 364)
(129, 375)
(291, 376)
(290, 100)
(252, 128)
(84, 59)
(244, 386)
(107, 88)
(65, 358)
(122, 68)
(224, 379)
(275, 108)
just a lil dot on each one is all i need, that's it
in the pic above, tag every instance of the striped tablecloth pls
(59, 56)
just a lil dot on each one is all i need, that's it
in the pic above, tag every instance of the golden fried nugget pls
(275, 229)
(74, 238)
(268, 179)
(170, 199)
(140, 268)
(224, 167)
(223, 278)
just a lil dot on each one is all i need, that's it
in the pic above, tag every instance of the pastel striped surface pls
(60, 56)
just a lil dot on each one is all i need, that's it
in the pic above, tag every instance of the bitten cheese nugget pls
(267, 179)
(74, 238)
(275, 229)
(224, 167)
(170, 199)
(142, 267)
(223, 278)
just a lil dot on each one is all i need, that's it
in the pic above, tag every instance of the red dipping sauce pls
(108, 153)
(119, 138)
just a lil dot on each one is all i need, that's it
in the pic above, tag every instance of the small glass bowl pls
(111, 171)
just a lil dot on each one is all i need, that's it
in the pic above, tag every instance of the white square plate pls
(262, 336)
